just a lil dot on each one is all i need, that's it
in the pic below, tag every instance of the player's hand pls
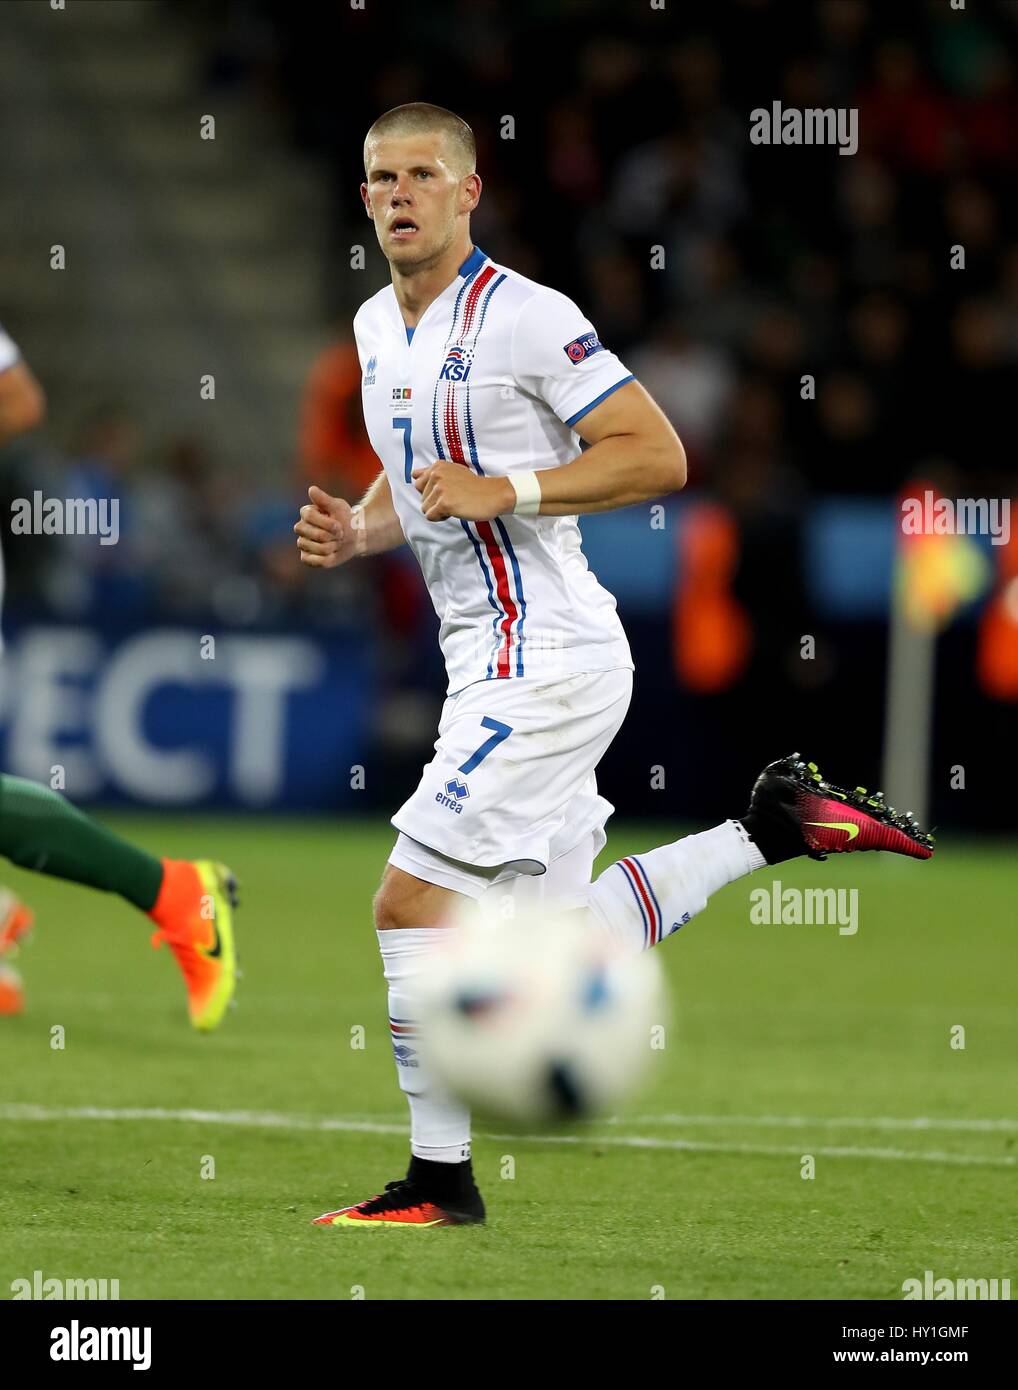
(450, 489)
(329, 532)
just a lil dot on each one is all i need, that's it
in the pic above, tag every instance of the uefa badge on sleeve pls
(581, 348)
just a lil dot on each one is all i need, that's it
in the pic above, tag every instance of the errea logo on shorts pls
(456, 792)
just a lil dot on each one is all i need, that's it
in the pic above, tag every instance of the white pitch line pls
(253, 1119)
(915, 1122)
(267, 1119)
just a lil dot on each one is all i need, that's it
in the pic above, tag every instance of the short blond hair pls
(420, 117)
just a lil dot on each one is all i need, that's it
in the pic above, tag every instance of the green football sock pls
(41, 830)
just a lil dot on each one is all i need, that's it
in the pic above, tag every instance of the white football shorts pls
(511, 787)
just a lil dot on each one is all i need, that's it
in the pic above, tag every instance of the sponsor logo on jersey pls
(457, 364)
(369, 371)
(581, 348)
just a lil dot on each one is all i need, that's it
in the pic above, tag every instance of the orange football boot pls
(194, 914)
(403, 1204)
(15, 921)
(12, 995)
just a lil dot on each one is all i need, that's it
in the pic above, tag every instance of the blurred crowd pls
(724, 273)
(192, 541)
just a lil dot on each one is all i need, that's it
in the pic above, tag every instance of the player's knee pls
(396, 904)
(405, 901)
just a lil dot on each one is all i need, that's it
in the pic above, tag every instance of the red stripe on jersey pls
(473, 295)
(505, 597)
(452, 431)
(455, 446)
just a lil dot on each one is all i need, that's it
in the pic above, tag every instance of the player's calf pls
(643, 898)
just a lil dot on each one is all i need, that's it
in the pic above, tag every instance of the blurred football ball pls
(539, 1018)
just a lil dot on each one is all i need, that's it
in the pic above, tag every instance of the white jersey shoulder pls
(494, 377)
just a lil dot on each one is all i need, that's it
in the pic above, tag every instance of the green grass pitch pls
(785, 1041)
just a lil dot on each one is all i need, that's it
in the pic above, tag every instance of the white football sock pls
(439, 1127)
(643, 898)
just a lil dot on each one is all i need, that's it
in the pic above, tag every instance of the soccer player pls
(478, 385)
(190, 901)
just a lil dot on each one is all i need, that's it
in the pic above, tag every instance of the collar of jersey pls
(470, 267)
(473, 262)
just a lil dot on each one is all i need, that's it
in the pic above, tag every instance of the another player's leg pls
(793, 811)
(411, 914)
(191, 902)
(15, 923)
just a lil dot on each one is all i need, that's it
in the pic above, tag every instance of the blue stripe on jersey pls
(602, 397)
(468, 420)
(484, 307)
(439, 451)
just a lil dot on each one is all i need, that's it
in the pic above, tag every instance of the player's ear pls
(366, 201)
(471, 192)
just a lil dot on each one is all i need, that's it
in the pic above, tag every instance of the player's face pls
(415, 196)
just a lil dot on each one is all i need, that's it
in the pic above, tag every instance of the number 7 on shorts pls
(502, 732)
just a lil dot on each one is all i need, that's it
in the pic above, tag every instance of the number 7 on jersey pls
(404, 423)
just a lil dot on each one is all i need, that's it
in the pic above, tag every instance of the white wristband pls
(358, 524)
(527, 487)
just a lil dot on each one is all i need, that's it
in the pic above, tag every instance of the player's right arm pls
(330, 531)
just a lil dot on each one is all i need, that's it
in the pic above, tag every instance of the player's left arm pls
(22, 403)
(633, 455)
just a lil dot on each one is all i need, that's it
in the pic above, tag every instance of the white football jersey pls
(494, 377)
